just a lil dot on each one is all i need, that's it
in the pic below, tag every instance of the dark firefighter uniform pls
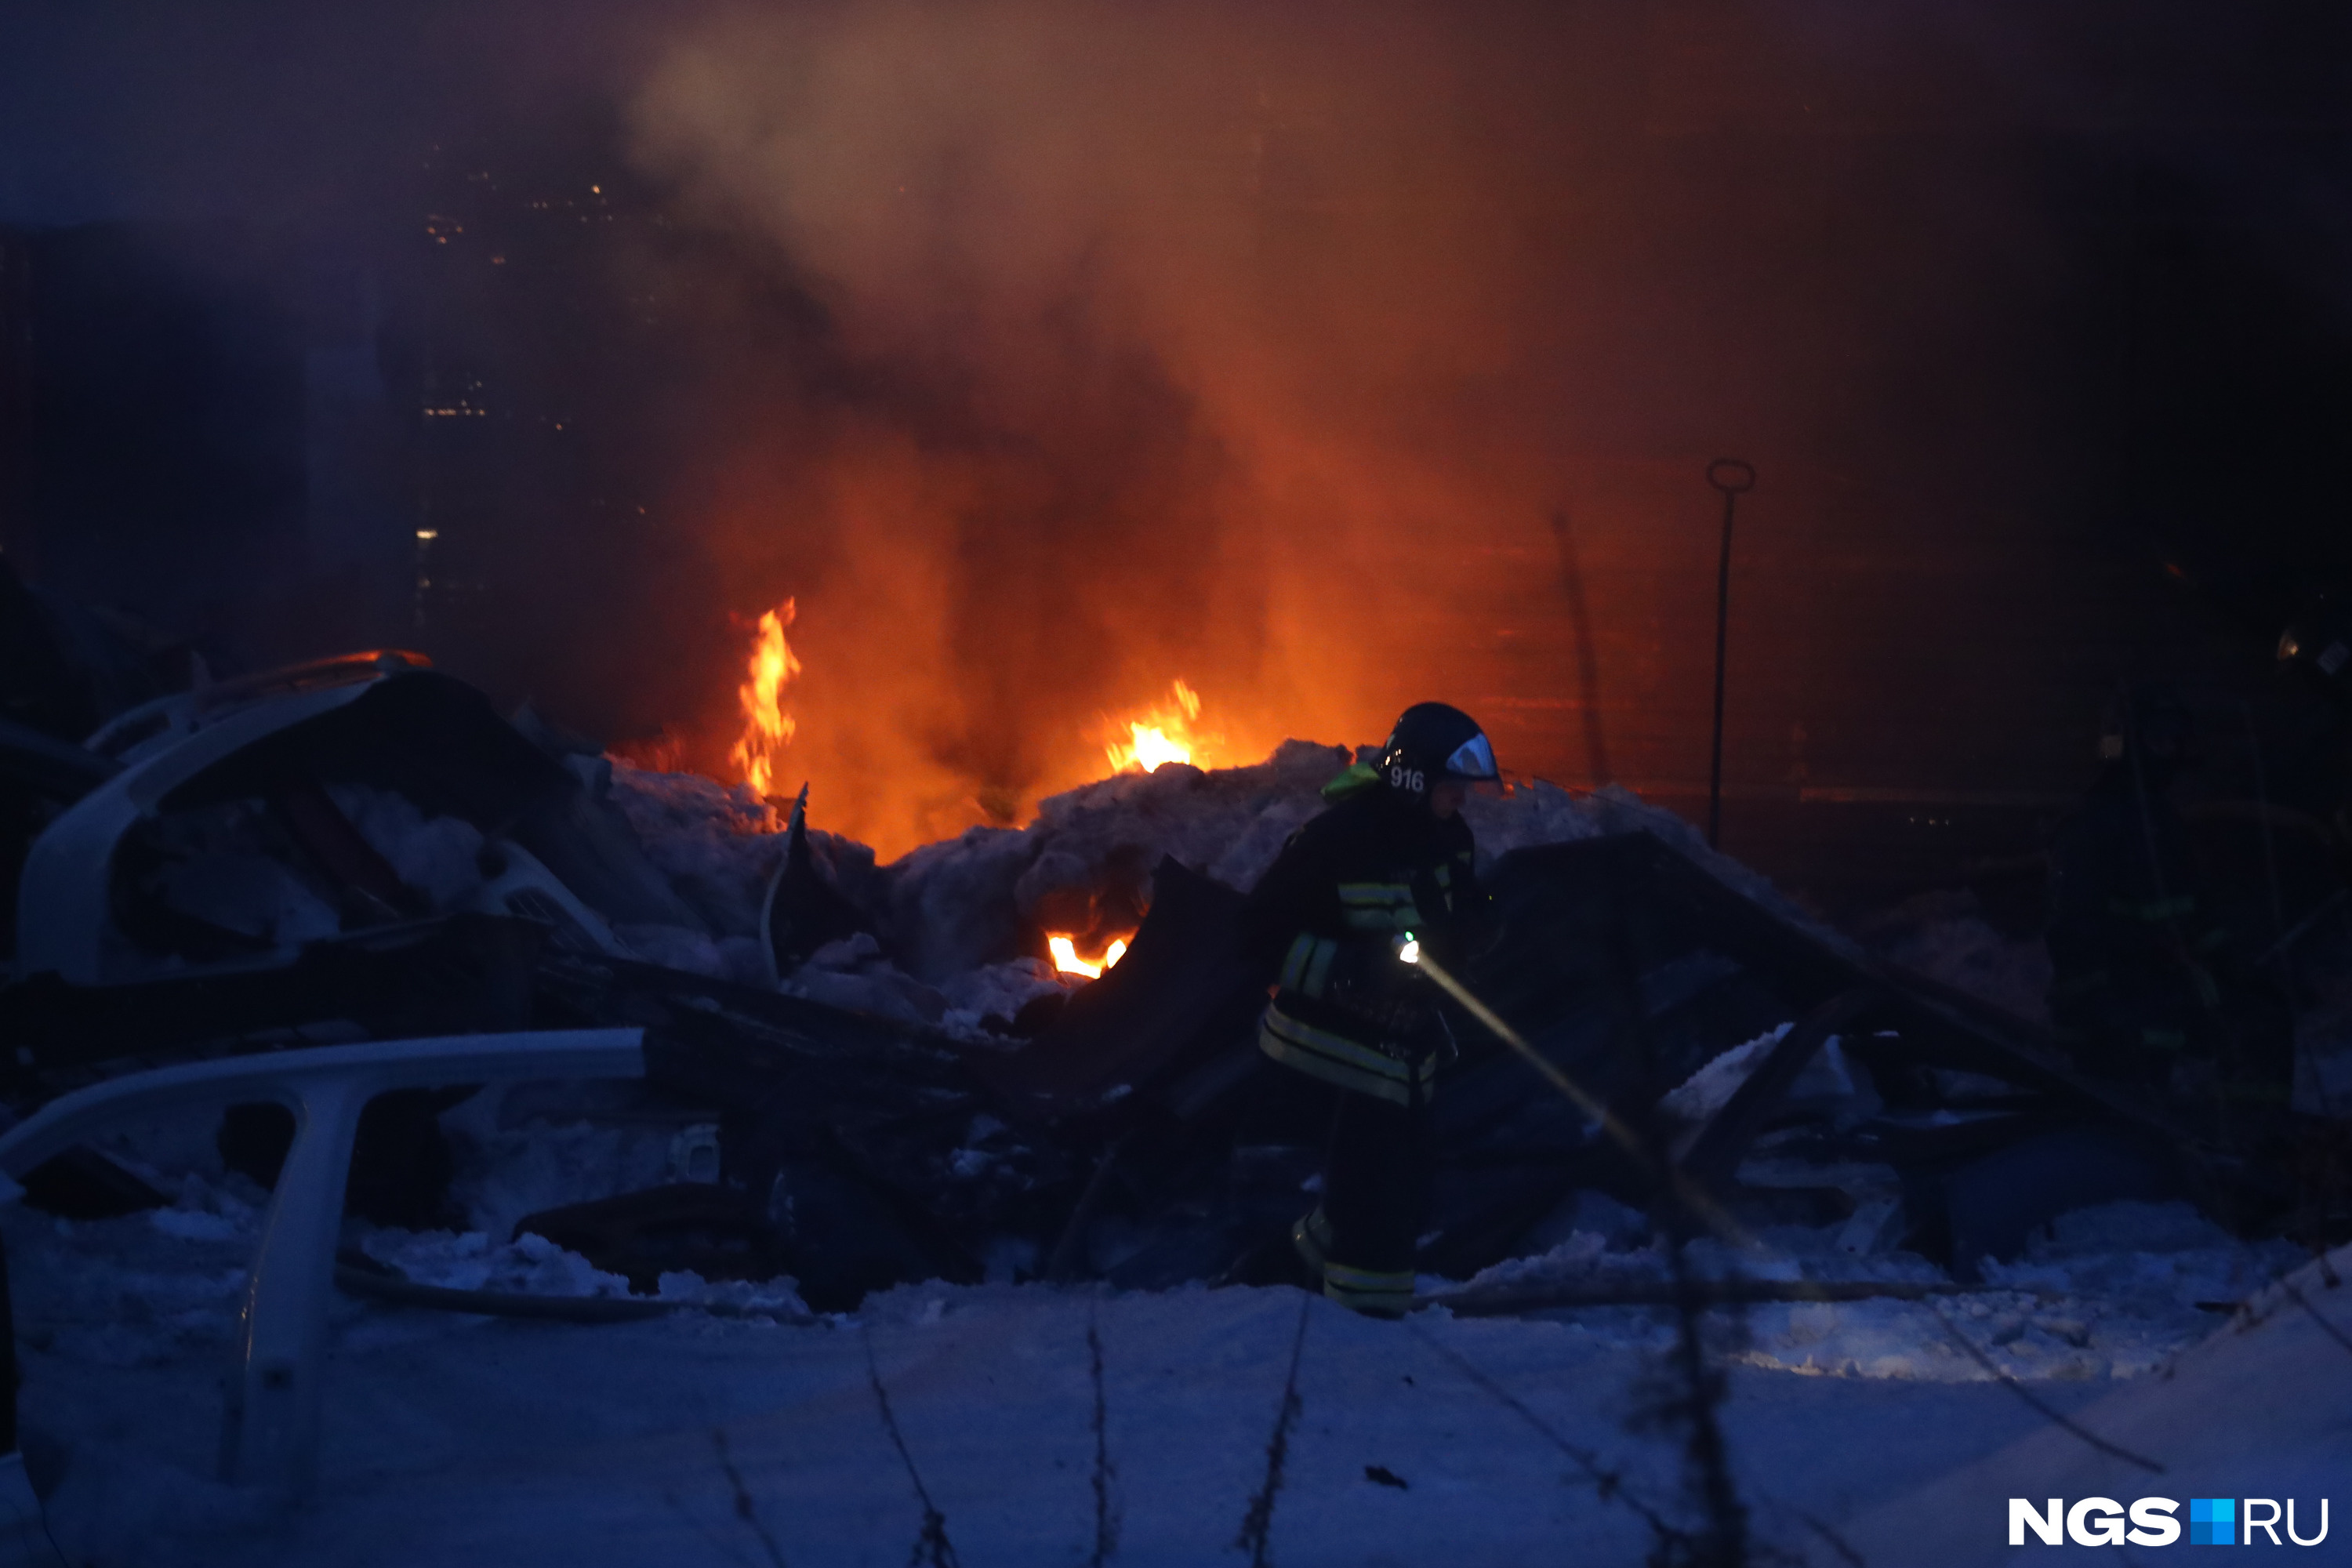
(1331, 922)
(2143, 979)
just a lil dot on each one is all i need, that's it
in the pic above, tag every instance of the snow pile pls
(777, 1299)
(522, 1148)
(440, 857)
(962, 903)
(2157, 1258)
(1945, 936)
(207, 1211)
(719, 845)
(2029, 1338)
(1585, 1257)
(533, 1265)
(853, 973)
(738, 959)
(127, 1293)
(1541, 813)
(1827, 1083)
(1710, 1089)
(470, 1261)
(715, 842)
(998, 991)
(957, 918)
(2113, 1293)
(972, 902)
(1776, 1253)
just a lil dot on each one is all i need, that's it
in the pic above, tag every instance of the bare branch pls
(1257, 1524)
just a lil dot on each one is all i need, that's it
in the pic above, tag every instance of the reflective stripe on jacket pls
(1324, 924)
(1336, 1058)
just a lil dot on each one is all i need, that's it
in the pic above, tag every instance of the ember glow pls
(1066, 956)
(767, 728)
(1165, 735)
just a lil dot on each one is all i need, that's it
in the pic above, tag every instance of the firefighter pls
(2146, 983)
(1339, 922)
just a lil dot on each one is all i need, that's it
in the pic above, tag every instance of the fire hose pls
(1687, 1192)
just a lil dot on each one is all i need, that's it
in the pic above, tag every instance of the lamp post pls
(1733, 478)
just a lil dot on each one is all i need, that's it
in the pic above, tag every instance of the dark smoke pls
(1047, 352)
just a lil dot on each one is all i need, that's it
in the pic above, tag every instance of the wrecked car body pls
(243, 826)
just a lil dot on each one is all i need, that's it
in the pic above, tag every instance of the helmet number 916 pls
(1409, 779)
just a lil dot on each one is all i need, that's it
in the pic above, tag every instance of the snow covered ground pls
(458, 1440)
(2257, 1410)
(462, 1440)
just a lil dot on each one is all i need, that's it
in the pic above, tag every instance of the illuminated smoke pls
(1155, 315)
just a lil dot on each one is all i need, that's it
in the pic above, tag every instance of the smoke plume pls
(1166, 331)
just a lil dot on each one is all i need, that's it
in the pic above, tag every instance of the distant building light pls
(497, 261)
(596, 190)
(429, 533)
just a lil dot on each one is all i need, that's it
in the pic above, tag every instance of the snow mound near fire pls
(976, 901)
(967, 901)
(719, 845)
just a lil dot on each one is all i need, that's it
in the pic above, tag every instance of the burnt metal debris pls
(199, 888)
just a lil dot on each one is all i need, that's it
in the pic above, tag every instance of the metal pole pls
(1733, 478)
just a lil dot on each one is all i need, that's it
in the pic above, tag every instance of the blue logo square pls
(2213, 1521)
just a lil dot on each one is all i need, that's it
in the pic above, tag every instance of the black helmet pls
(2149, 718)
(1433, 742)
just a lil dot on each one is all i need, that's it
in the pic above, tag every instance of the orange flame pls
(767, 728)
(1163, 736)
(1066, 956)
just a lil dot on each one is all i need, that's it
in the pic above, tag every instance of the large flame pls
(767, 728)
(1164, 734)
(1066, 956)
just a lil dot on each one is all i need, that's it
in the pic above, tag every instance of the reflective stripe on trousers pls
(1367, 1291)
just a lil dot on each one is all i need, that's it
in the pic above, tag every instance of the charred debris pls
(365, 848)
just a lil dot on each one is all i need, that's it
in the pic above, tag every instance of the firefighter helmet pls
(1433, 742)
